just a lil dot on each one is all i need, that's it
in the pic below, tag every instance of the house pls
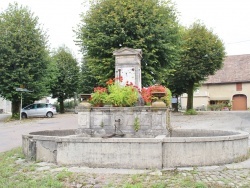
(230, 85)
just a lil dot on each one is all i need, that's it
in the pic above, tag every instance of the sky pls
(228, 19)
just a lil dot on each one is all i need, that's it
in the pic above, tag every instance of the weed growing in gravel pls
(63, 175)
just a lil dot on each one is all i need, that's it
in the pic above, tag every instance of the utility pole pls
(21, 90)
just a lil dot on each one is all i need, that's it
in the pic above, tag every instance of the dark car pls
(38, 110)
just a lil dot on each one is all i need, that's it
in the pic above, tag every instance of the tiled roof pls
(236, 68)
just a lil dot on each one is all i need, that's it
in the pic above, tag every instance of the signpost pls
(22, 90)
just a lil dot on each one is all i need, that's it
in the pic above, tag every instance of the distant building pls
(229, 85)
(5, 106)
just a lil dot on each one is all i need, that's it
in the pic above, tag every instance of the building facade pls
(229, 86)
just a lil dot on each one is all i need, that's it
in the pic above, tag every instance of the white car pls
(38, 110)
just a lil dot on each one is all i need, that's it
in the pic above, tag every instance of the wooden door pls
(239, 102)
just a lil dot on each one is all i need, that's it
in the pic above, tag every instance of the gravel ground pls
(84, 177)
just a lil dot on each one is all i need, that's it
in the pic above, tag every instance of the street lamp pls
(21, 90)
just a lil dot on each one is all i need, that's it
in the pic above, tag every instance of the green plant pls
(191, 112)
(136, 124)
(216, 107)
(200, 185)
(63, 175)
(102, 124)
(115, 94)
(159, 185)
(99, 97)
(137, 185)
(17, 175)
(121, 95)
(69, 104)
(168, 97)
(15, 116)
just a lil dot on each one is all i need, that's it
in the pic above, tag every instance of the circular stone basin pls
(186, 147)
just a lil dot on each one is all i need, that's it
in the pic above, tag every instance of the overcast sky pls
(228, 19)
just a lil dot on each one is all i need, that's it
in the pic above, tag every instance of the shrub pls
(191, 112)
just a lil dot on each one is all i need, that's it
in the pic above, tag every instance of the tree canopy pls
(202, 55)
(66, 78)
(150, 25)
(23, 55)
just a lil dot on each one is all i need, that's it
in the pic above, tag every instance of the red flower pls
(100, 89)
(109, 82)
(147, 92)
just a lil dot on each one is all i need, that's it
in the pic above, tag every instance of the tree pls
(23, 56)
(66, 75)
(148, 25)
(202, 55)
(87, 80)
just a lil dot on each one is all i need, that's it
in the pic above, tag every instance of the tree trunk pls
(61, 105)
(15, 107)
(190, 94)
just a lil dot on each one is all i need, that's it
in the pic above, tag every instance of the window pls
(238, 86)
(41, 105)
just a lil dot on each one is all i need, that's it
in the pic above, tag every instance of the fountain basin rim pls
(138, 153)
(233, 135)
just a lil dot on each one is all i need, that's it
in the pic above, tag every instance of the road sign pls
(22, 89)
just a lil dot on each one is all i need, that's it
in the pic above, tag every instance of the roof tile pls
(236, 68)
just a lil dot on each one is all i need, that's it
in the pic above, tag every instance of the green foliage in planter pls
(168, 97)
(122, 95)
(99, 96)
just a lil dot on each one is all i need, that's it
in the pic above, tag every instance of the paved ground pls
(212, 176)
(222, 120)
(11, 131)
(3, 117)
(229, 175)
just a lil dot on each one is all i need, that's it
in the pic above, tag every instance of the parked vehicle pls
(38, 110)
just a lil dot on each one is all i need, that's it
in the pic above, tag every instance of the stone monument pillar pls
(128, 65)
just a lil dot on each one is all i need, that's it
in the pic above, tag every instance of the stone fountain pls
(133, 137)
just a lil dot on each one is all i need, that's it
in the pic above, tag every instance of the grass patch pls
(15, 175)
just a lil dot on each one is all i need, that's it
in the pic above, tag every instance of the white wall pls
(200, 100)
(5, 105)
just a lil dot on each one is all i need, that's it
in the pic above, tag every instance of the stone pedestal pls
(128, 65)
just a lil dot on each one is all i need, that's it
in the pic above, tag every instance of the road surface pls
(11, 132)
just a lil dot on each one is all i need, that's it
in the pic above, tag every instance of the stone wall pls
(137, 153)
(138, 121)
